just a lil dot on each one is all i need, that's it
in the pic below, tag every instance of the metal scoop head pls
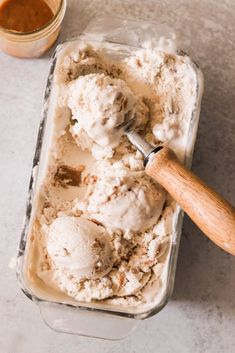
(141, 145)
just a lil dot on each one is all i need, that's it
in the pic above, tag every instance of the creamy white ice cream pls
(103, 228)
(99, 105)
(80, 247)
(124, 199)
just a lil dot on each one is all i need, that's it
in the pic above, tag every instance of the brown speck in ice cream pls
(66, 176)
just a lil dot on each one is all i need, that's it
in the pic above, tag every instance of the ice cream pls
(102, 228)
(124, 199)
(79, 247)
(100, 104)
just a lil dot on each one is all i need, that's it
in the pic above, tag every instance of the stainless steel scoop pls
(212, 214)
(141, 145)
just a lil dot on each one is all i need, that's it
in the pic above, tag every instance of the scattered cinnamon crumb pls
(66, 176)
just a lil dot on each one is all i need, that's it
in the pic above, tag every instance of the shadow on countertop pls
(205, 273)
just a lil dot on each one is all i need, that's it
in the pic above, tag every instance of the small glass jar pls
(35, 43)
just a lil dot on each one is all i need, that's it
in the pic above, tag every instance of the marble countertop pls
(200, 317)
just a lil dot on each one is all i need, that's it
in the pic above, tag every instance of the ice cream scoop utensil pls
(208, 210)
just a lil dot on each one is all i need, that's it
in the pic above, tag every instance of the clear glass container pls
(120, 37)
(35, 43)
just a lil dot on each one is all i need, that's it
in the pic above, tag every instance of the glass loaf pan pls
(92, 319)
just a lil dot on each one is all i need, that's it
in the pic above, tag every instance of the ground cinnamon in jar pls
(24, 15)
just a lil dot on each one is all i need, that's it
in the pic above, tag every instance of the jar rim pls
(39, 30)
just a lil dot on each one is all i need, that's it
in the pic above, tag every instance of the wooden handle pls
(211, 213)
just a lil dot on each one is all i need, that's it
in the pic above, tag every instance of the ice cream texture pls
(120, 199)
(102, 227)
(79, 247)
(100, 104)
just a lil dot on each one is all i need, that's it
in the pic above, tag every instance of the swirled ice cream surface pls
(102, 228)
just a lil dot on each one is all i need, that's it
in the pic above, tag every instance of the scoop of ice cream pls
(121, 199)
(80, 247)
(99, 105)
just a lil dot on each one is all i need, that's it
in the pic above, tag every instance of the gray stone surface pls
(200, 317)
